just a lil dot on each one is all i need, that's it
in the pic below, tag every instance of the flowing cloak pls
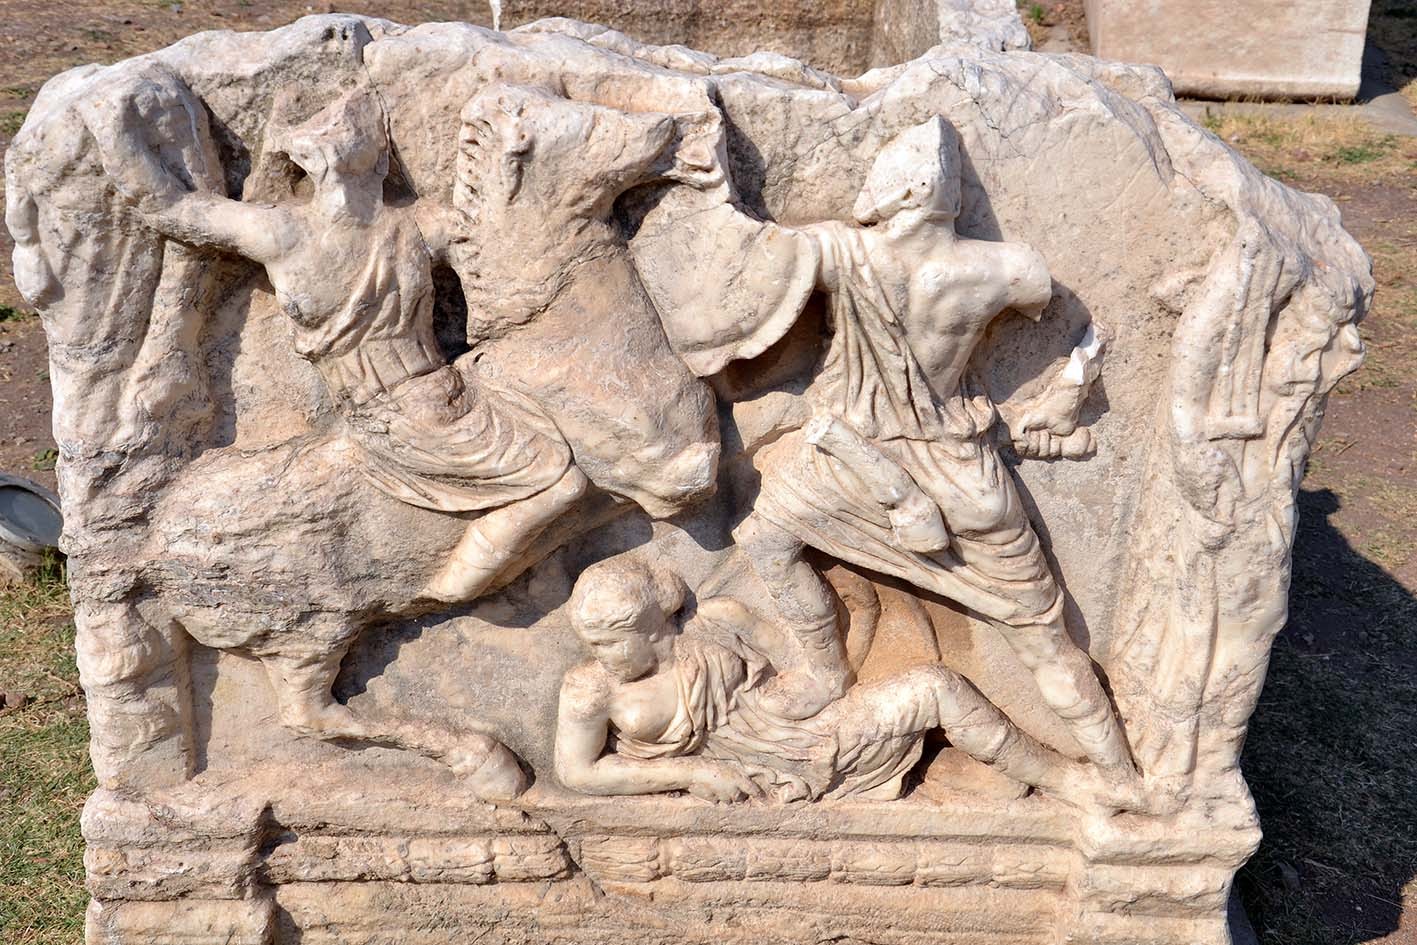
(445, 442)
(430, 433)
(871, 379)
(842, 751)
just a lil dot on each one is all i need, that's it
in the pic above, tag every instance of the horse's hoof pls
(493, 775)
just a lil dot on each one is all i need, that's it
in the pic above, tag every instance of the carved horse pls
(279, 552)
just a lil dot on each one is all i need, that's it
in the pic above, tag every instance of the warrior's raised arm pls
(155, 148)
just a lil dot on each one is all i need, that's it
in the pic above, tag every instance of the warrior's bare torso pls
(944, 290)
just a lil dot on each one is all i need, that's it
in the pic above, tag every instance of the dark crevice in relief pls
(449, 313)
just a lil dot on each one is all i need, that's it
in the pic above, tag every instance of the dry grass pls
(10, 121)
(44, 772)
(1035, 19)
(1391, 331)
(1345, 148)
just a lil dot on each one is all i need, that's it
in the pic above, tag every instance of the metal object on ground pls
(30, 525)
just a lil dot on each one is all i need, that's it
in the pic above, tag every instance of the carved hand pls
(1045, 444)
(150, 144)
(1044, 426)
(34, 276)
(129, 158)
(695, 159)
(721, 783)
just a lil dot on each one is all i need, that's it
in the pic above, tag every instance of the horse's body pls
(287, 555)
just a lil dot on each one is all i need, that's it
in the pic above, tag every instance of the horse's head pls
(526, 145)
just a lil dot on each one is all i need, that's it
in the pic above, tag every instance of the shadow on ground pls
(1332, 754)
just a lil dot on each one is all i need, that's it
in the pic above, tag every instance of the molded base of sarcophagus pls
(333, 865)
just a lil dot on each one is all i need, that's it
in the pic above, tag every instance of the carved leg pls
(1069, 685)
(134, 674)
(932, 697)
(499, 536)
(915, 519)
(305, 697)
(307, 706)
(811, 661)
(1007, 578)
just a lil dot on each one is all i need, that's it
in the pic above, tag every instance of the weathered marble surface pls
(904, 29)
(1310, 49)
(551, 488)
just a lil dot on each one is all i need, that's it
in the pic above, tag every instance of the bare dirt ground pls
(1332, 756)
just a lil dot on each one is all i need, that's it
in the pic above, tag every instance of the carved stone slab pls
(1305, 50)
(542, 487)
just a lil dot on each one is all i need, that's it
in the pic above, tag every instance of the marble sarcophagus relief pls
(541, 487)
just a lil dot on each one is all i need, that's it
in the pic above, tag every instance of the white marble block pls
(1303, 49)
(539, 487)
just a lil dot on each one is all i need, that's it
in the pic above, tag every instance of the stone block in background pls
(1277, 49)
(839, 36)
(904, 29)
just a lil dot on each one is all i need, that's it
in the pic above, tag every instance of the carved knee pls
(686, 478)
(116, 647)
(571, 487)
(138, 698)
(766, 543)
(1036, 614)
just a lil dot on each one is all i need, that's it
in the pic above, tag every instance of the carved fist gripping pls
(1045, 444)
(152, 139)
(1045, 424)
(696, 159)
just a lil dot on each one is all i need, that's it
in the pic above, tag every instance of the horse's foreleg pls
(304, 688)
(304, 693)
(133, 667)
(492, 542)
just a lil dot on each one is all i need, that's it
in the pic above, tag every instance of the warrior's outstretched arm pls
(260, 233)
(154, 146)
(1044, 424)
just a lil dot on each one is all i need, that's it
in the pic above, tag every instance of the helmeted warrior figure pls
(898, 471)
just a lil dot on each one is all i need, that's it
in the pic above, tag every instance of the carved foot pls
(953, 772)
(466, 575)
(490, 768)
(329, 721)
(1114, 790)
